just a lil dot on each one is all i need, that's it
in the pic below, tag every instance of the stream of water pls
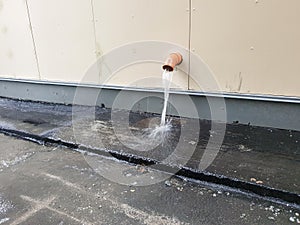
(167, 79)
(160, 132)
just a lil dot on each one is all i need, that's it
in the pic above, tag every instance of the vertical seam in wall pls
(33, 41)
(95, 35)
(189, 44)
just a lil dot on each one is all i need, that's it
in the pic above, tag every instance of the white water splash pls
(160, 134)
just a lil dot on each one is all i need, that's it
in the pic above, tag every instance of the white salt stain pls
(4, 205)
(15, 161)
(4, 220)
(147, 218)
(38, 205)
(131, 212)
(5, 125)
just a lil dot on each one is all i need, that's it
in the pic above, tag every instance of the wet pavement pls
(265, 158)
(53, 185)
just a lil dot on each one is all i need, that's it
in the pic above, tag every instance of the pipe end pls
(173, 60)
(168, 68)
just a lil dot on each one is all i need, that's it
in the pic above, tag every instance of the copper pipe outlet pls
(173, 60)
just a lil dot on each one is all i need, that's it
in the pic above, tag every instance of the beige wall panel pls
(64, 37)
(146, 75)
(252, 46)
(17, 58)
(120, 22)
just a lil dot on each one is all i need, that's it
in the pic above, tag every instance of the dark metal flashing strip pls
(279, 196)
(258, 110)
(256, 97)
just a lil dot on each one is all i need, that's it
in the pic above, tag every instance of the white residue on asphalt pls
(15, 161)
(5, 125)
(292, 219)
(4, 206)
(4, 220)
